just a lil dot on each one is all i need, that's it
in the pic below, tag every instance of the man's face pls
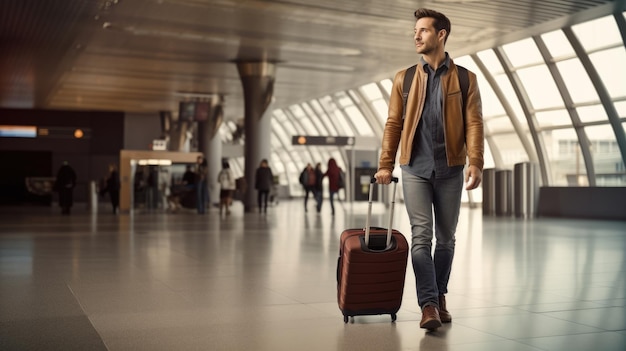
(426, 38)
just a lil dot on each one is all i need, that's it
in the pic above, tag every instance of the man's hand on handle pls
(383, 176)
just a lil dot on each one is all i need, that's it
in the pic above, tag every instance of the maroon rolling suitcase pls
(371, 267)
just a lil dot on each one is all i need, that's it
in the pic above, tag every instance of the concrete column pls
(257, 79)
(210, 144)
(525, 189)
(504, 193)
(489, 192)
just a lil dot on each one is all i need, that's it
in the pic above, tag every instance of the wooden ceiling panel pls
(137, 54)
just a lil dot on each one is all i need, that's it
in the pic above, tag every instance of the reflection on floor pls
(159, 281)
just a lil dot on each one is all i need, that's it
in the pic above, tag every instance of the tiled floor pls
(157, 281)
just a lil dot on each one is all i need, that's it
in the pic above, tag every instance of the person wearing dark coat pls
(189, 177)
(264, 180)
(152, 183)
(112, 186)
(308, 180)
(334, 174)
(319, 194)
(64, 184)
(202, 190)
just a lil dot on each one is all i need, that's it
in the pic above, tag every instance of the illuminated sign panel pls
(64, 133)
(322, 140)
(14, 131)
(18, 131)
(159, 144)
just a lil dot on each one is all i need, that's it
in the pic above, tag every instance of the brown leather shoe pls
(430, 318)
(444, 315)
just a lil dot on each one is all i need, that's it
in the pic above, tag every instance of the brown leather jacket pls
(462, 138)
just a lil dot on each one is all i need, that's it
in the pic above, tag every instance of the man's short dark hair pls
(440, 20)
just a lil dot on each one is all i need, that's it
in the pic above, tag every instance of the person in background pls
(65, 183)
(202, 191)
(165, 186)
(436, 138)
(227, 187)
(112, 186)
(152, 183)
(308, 181)
(263, 182)
(139, 187)
(319, 187)
(189, 177)
(333, 173)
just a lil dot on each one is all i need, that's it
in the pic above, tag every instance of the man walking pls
(437, 135)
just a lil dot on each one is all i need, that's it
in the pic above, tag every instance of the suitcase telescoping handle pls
(394, 180)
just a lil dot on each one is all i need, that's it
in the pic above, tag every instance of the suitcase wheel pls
(345, 319)
(393, 317)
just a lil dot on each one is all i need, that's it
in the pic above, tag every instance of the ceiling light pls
(223, 39)
(198, 95)
(318, 66)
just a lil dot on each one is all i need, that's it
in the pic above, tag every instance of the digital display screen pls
(202, 111)
(18, 131)
(187, 111)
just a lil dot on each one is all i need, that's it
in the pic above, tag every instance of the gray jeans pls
(432, 203)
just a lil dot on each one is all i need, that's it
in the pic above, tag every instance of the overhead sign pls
(322, 140)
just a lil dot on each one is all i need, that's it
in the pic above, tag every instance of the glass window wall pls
(506, 127)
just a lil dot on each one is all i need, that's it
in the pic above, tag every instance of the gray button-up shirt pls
(428, 158)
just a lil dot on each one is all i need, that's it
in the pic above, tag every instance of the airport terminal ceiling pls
(143, 56)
